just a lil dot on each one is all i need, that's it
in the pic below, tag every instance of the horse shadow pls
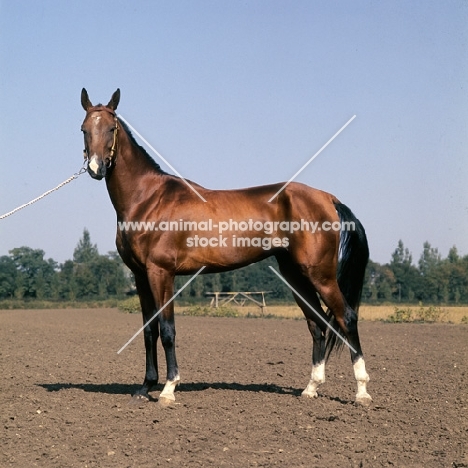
(131, 389)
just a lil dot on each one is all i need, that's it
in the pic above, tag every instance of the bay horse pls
(325, 266)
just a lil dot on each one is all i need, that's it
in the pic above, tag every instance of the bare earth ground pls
(64, 398)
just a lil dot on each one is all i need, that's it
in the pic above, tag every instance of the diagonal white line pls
(160, 157)
(312, 309)
(161, 309)
(312, 158)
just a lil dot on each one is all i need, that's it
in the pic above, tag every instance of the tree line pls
(433, 280)
(26, 274)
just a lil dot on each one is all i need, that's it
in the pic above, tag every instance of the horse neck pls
(131, 177)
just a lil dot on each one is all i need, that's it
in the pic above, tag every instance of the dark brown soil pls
(65, 395)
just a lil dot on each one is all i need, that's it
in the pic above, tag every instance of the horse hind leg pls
(346, 319)
(362, 377)
(359, 366)
(312, 309)
(317, 376)
(314, 315)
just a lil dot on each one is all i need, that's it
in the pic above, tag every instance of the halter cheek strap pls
(114, 143)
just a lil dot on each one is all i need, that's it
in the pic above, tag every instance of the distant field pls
(366, 312)
(450, 314)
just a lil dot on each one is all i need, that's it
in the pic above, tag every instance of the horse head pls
(100, 128)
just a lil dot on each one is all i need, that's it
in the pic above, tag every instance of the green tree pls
(197, 285)
(91, 275)
(434, 284)
(109, 272)
(453, 256)
(68, 289)
(8, 277)
(85, 251)
(86, 282)
(379, 283)
(456, 273)
(405, 273)
(35, 275)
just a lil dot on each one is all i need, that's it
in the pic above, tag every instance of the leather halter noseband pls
(114, 143)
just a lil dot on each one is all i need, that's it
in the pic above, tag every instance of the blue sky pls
(236, 94)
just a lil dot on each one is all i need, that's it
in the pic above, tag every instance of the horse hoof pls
(305, 394)
(363, 400)
(164, 402)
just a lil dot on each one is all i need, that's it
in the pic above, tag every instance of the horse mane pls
(149, 159)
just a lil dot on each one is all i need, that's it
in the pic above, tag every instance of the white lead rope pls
(73, 177)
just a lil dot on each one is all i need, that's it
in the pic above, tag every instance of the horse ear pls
(115, 99)
(85, 102)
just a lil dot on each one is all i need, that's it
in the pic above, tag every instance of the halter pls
(114, 143)
(116, 127)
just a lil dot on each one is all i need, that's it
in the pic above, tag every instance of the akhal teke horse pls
(323, 266)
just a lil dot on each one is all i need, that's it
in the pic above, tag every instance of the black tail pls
(353, 257)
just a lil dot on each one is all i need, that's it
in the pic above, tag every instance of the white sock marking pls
(168, 390)
(317, 377)
(361, 378)
(360, 370)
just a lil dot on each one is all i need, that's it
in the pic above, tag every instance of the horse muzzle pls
(97, 169)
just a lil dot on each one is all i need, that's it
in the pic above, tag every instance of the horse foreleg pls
(162, 286)
(151, 334)
(168, 332)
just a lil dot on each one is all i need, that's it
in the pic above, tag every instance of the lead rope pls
(73, 177)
